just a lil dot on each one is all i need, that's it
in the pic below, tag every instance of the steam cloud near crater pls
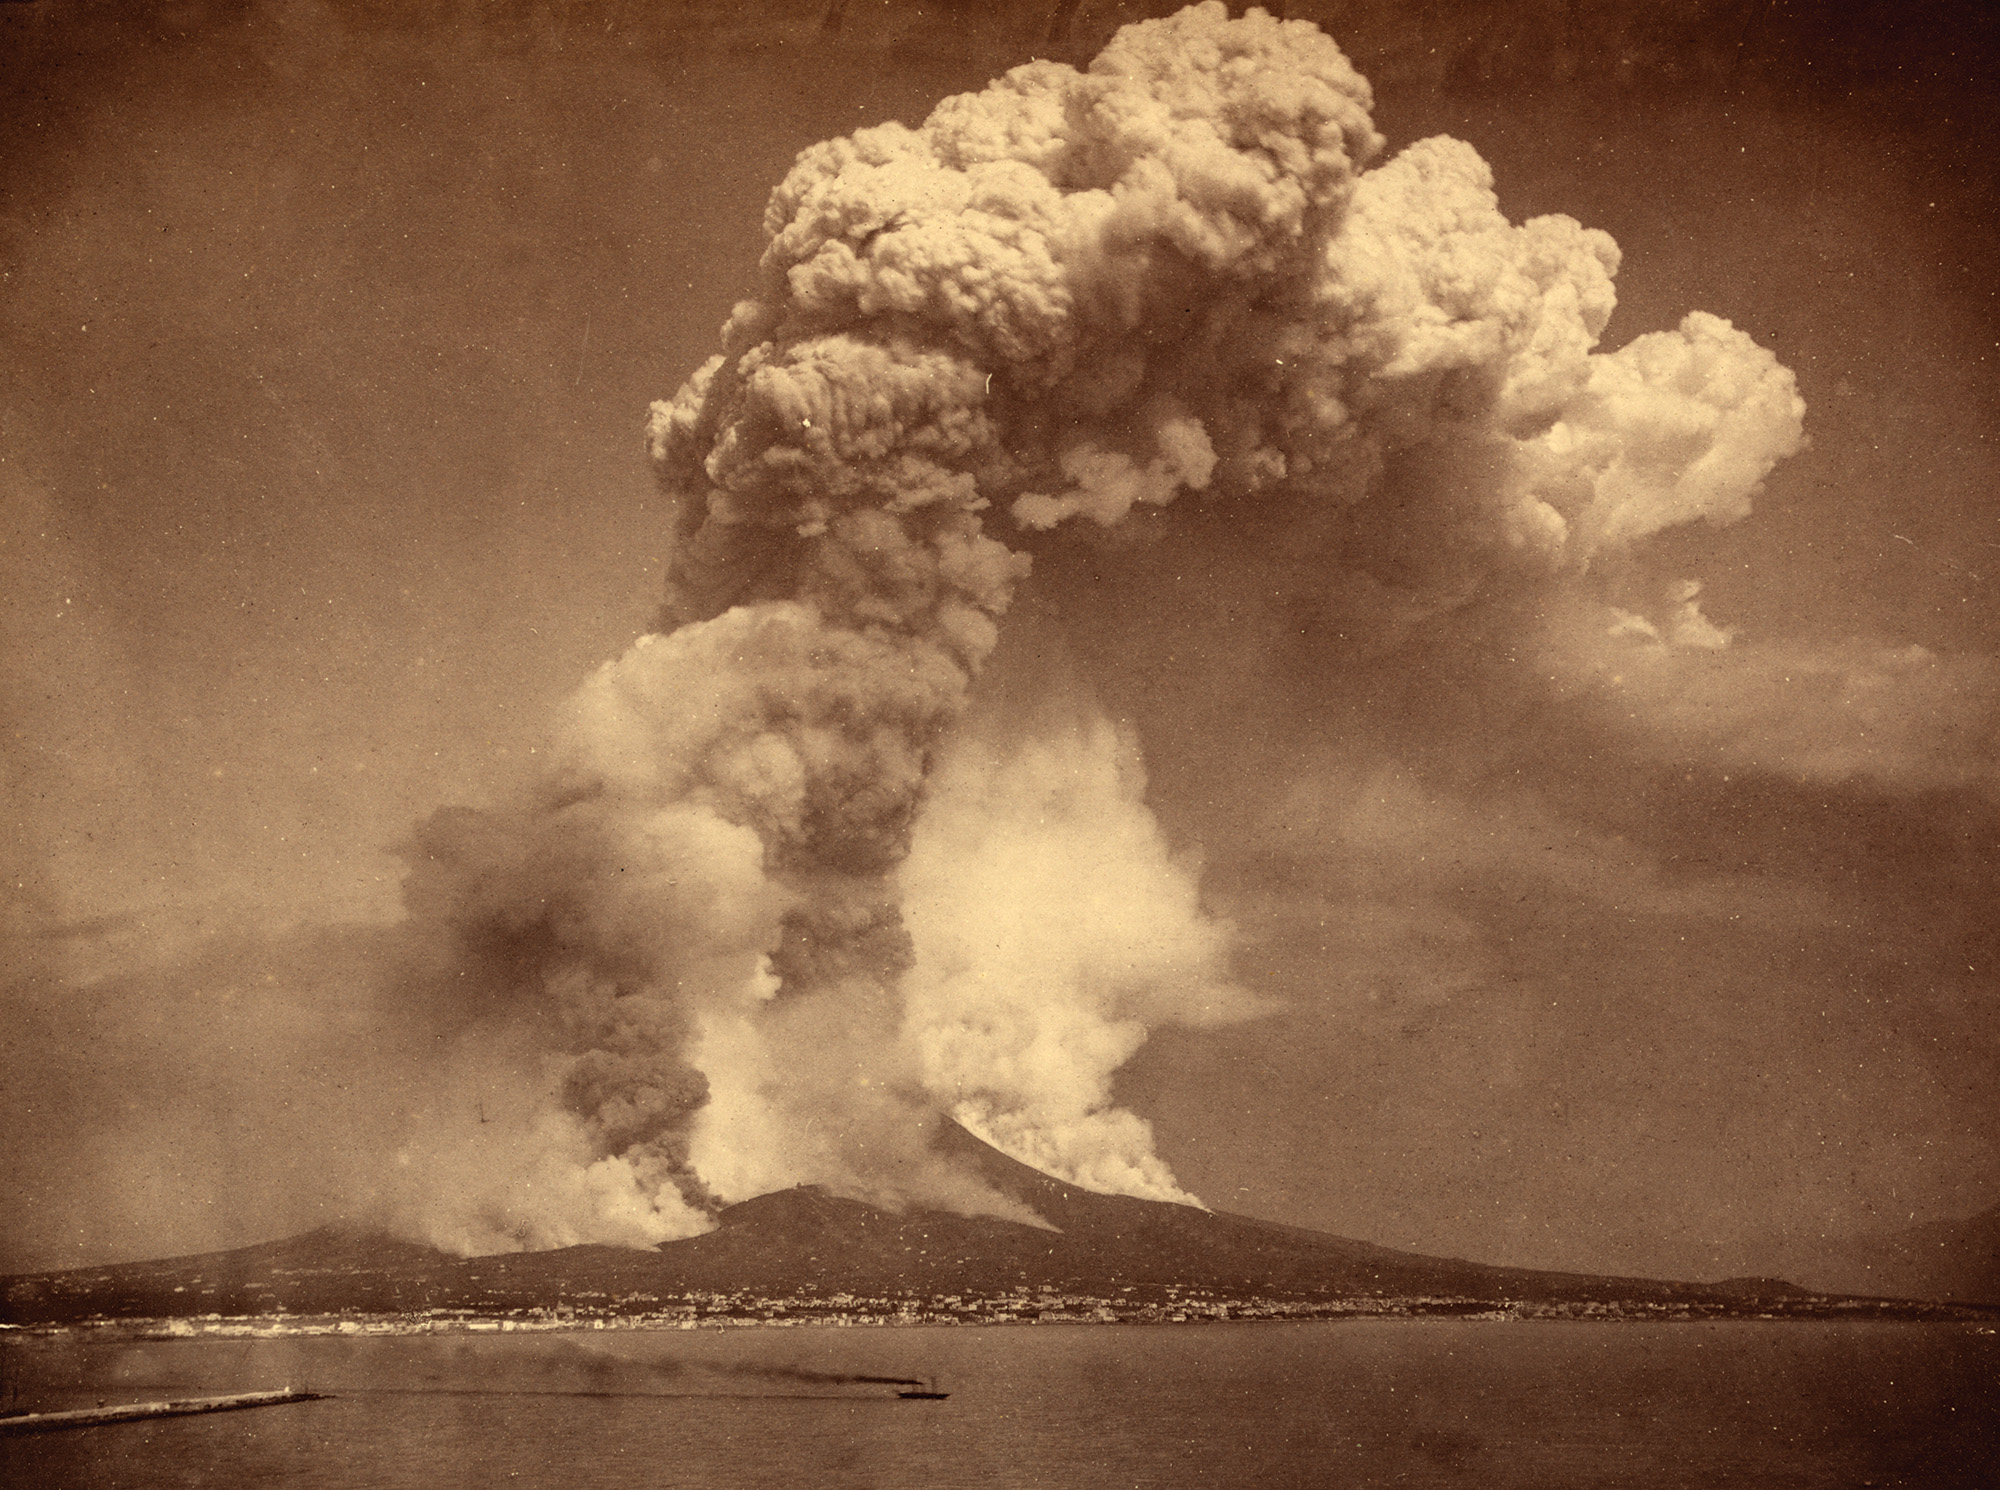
(784, 903)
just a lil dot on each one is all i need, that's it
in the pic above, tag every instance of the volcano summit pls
(803, 1255)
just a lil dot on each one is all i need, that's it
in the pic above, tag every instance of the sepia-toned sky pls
(329, 333)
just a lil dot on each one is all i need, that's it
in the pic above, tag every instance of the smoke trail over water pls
(783, 902)
(538, 1365)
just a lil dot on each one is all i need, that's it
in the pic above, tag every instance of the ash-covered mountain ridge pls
(809, 1242)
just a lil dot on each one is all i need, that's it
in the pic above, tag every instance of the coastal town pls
(1167, 1305)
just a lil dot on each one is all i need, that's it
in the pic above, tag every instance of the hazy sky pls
(329, 336)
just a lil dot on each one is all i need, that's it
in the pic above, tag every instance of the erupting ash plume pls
(779, 907)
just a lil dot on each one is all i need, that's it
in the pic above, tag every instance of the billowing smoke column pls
(709, 947)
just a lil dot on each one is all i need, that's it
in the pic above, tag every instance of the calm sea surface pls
(1356, 1403)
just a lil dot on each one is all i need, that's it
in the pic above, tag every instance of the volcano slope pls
(806, 1244)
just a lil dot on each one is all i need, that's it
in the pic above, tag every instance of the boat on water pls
(925, 1392)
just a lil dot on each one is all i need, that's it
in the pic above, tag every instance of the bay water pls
(1541, 1405)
